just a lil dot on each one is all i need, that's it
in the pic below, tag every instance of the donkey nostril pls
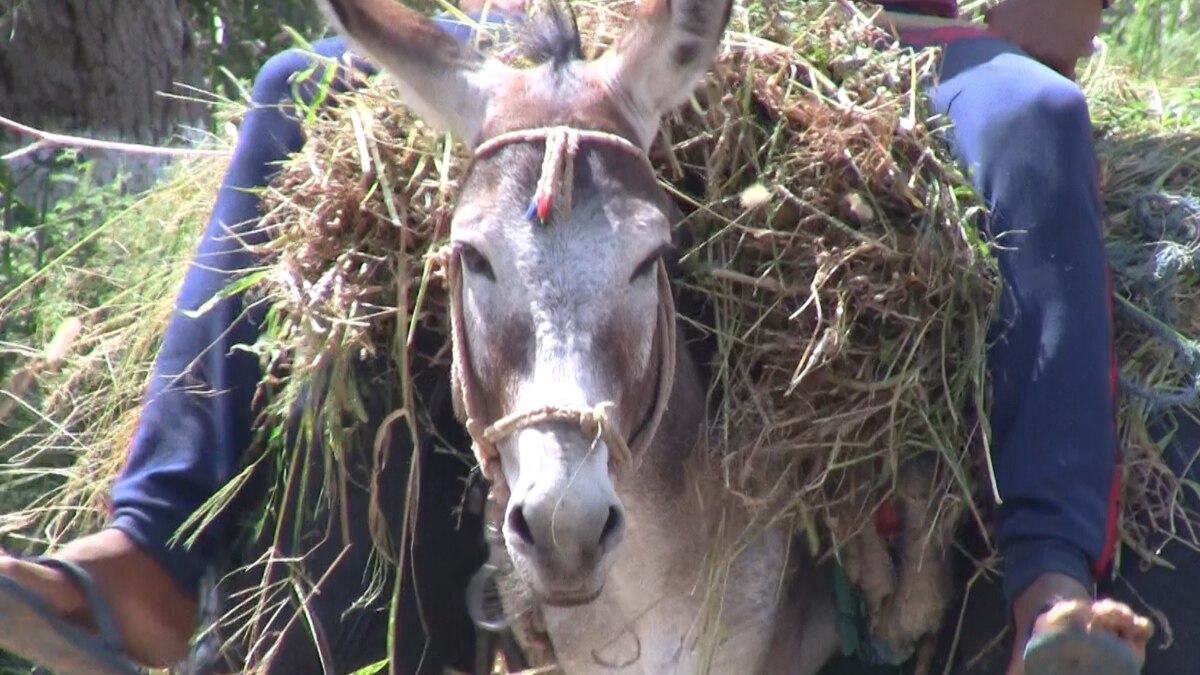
(518, 525)
(614, 527)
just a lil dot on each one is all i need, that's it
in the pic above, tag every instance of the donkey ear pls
(661, 55)
(443, 80)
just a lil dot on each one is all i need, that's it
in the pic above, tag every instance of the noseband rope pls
(553, 192)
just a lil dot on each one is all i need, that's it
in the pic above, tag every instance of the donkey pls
(585, 417)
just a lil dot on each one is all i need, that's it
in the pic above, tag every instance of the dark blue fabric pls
(1023, 132)
(196, 420)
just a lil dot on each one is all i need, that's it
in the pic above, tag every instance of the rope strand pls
(554, 190)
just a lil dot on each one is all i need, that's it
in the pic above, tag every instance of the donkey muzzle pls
(563, 522)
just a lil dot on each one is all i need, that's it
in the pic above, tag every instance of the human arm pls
(1056, 32)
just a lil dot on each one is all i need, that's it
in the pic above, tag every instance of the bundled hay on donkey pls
(846, 303)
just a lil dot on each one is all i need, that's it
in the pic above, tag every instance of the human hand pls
(1056, 32)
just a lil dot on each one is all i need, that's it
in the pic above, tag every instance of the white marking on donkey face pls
(563, 316)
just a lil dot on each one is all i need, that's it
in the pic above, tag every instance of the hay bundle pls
(1149, 183)
(848, 297)
(844, 292)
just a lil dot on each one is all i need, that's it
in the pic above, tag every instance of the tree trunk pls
(99, 67)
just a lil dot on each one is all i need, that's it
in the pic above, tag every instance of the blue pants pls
(1023, 133)
(1022, 130)
(196, 419)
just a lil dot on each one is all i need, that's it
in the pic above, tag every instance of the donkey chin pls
(563, 525)
(550, 585)
(579, 597)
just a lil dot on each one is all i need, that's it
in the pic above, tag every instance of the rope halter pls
(553, 192)
(557, 178)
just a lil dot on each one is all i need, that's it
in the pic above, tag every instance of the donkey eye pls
(647, 266)
(476, 263)
(644, 269)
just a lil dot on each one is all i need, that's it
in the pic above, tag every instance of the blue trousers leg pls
(196, 420)
(1024, 134)
(197, 416)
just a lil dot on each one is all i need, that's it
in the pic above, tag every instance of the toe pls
(1062, 615)
(1120, 620)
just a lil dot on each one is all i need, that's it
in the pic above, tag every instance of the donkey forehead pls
(572, 94)
(617, 208)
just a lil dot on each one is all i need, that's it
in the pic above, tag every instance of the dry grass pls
(73, 426)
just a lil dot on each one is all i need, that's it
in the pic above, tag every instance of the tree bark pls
(99, 67)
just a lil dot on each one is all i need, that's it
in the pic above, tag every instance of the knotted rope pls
(557, 180)
(1152, 268)
(562, 145)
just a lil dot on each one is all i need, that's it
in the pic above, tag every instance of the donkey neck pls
(667, 495)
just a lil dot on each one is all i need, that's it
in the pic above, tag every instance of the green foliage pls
(49, 214)
(236, 36)
(1155, 37)
(53, 265)
(113, 261)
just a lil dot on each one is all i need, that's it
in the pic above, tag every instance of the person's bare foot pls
(155, 618)
(1073, 608)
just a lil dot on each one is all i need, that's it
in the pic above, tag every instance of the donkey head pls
(564, 353)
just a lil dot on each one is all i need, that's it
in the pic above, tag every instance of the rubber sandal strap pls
(1076, 651)
(101, 615)
(1091, 653)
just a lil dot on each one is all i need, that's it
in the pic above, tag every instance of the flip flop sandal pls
(31, 630)
(1074, 651)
